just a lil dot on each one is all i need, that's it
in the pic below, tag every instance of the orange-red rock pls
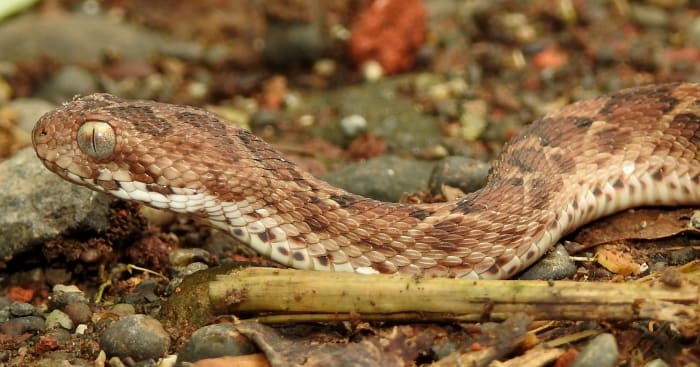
(389, 32)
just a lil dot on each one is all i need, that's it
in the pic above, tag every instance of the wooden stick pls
(295, 296)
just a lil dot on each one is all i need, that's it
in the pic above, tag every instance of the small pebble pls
(58, 319)
(193, 268)
(21, 309)
(147, 290)
(61, 336)
(185, 256)
(214, 341)
(556, 264)
(139, 337)
(81, 329)
(80, 313)
(124, 309)
(600, 352)
(385, 178)
(657, 363)
(65, 295)
(461, 172)
(473, 121)
(21, 325)
(682, 256)
(353, 125)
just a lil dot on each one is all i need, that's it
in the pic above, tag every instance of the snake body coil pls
(632, 148)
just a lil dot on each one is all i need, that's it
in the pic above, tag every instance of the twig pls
(294, 296)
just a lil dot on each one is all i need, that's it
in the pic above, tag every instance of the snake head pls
(139, 150)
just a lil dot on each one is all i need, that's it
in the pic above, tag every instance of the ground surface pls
(286, 70)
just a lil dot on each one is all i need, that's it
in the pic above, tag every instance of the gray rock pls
(138, 337)
(5, 309)
(83, 39)
(5, 314)
(21, 325)
(58, 319)
(682, 256)
(385, 178)
(214, 341)
(600, 352)
(464, 173)
(556, 264)
(69, 81)
(388, 114)
(38, 205)
(21, 309)
(65, 295)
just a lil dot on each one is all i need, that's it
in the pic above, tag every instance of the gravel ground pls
(412, 110)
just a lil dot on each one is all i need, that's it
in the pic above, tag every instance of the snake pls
(589, 159)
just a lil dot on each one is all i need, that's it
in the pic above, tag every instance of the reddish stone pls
(19, 294)
(389, 32)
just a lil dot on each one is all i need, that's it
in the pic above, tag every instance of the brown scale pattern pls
(589, 159)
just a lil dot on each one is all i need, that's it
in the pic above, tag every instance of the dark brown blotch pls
(643, 96)
(618, 184)
(540, 191)
(448, 225)
(323, 260)
(298, 256)
(109, 185)
(383, 267)
(580, 122)
(658, 175)
(143, 118)
(525, 159)
(344, 200)
(316, 223)
(530, 254)
(161, 189)
(420, 214)
(517, 181)
(688, 124)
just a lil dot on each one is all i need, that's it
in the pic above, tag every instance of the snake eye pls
(97, 139)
